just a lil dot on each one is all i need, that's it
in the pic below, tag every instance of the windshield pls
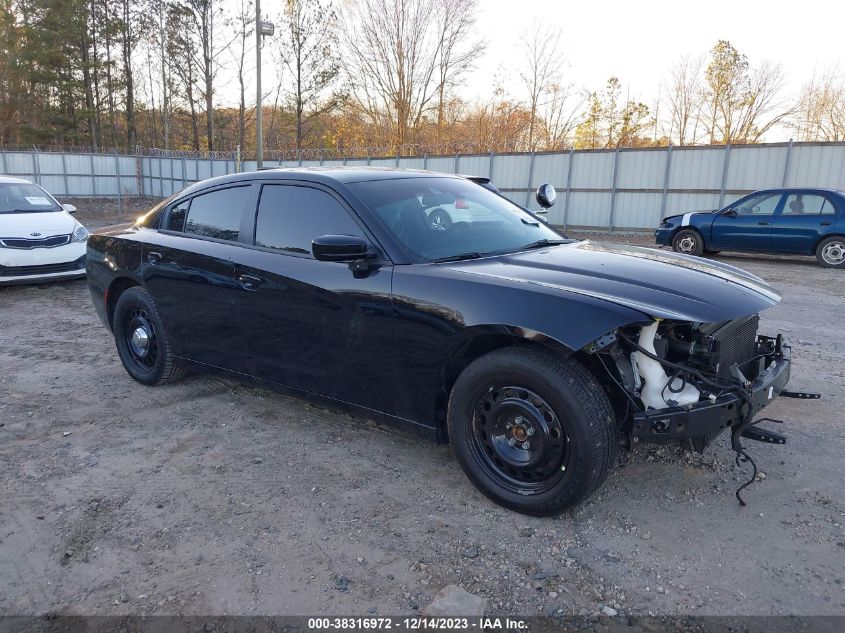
(25, 197)
(447, 218)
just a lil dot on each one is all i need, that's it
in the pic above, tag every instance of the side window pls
(806, 204)
(217, 214)
(764, 204)
(176, 217)
(290, 217)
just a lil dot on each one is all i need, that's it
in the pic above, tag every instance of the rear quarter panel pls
(112, 253)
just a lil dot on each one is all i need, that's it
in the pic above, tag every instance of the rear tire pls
(688, 242)
(141, 340)
(830, 253)
(534, 432)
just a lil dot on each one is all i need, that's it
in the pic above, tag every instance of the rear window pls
(25, 197)
(216, 214)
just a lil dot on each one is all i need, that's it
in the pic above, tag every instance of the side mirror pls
(339, 248)
(730, 213)
(546, 195)
(69, 208)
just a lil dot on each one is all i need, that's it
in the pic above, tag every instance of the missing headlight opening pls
(688, 382)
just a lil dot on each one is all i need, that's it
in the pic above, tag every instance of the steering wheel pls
(439, 220)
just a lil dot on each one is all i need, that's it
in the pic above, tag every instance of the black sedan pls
(537, 357)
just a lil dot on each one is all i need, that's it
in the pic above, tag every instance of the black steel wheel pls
(141, 341)
(518, 439)
(533, 431)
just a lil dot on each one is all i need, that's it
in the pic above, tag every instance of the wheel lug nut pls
(512, 442)
(526, 445)
(530, 430)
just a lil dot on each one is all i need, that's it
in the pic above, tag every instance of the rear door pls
(308, 324)
(189, 270)
(804, 218)
(747, 224)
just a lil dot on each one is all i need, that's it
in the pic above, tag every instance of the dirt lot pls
(209, 497)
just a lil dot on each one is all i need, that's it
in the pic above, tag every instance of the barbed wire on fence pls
(353, 152)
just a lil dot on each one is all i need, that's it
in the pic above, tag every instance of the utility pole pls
(259, 123)
(261, 29)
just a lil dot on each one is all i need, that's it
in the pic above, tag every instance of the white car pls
(444, 211)
(39, 239)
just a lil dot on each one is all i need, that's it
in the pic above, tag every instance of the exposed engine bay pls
(682, 363)
(689, 382)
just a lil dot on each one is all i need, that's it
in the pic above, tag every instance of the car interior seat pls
(797, 205)
(413, 227)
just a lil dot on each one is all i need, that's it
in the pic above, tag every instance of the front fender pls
(455, 306)
(703, 223)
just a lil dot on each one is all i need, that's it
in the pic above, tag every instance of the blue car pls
(794, 221)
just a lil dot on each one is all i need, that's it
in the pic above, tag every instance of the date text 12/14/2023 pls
(419, 623)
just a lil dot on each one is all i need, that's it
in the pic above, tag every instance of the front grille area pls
(44, 269)
(734, 342)
(46, 242)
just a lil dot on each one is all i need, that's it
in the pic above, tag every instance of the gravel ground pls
(210, 497)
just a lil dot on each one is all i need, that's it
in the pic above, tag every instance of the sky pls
(638, 42)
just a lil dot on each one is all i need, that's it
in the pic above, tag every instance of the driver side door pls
(747, 224)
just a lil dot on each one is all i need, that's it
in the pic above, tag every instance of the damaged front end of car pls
(688, 382)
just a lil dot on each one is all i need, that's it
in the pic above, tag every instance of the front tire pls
(830, 253)
(534, 432)
(688, 242)
(142, 343)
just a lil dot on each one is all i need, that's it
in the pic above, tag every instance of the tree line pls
(355, 77)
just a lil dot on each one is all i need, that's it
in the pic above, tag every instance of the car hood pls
(657, 283)
(47, 223)
(680, 215)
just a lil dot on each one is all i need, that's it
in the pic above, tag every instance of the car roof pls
(325, 175)
(351, 173)
(8, 180)
(788, 189)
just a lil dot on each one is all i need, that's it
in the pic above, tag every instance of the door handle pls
(248, 282)
(763, 223)
(154, 258)
(826, 223)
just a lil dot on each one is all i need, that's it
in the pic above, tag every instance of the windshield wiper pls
(542, 243)
(459, 257)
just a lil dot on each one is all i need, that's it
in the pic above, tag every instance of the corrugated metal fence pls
(606, 189)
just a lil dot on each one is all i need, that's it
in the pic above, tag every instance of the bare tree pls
(559, 113)
(685, 94)
(182, 50)
(129, 38)
(763, 107)
(820, 115)
(396, 59)
(455, 20)
(543, 68)
(243, 21)
(309, 50)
